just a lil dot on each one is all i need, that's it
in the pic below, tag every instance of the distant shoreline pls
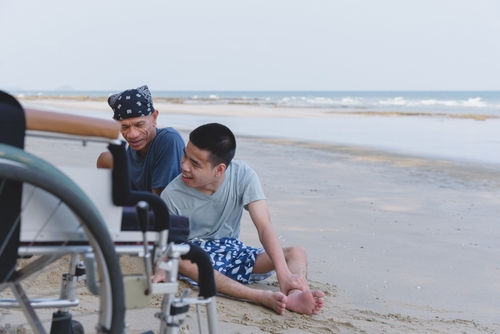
(204, 101)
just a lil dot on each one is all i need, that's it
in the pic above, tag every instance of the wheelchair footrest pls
(165, 288)
(136, 294)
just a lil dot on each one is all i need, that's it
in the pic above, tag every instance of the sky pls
(250, 45)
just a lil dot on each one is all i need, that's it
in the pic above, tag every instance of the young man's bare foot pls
(274, 300)
(305, 302)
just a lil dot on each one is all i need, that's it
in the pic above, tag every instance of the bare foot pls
(305, 302)
(273, 300)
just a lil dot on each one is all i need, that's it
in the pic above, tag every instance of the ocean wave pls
(476, 102)
(320, 101)
(472, 102)
(397, 101)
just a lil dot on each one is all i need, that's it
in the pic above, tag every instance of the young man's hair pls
(218, 140)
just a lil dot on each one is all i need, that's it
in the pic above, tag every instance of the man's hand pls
(292, 282)
(160, 276)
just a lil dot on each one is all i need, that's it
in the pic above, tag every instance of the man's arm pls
(259, 213)
(105, 160)
(157, 191)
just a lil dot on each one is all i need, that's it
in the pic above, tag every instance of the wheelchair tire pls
(77, 327)
(109, 311)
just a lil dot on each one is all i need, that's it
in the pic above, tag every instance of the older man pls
(154, 154)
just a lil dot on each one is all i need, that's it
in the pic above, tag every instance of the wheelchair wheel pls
(47, 278)
(77, 327)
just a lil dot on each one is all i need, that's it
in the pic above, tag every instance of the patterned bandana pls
(131, 103)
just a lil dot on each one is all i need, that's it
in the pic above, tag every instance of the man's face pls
(198, 172)
(139, 131)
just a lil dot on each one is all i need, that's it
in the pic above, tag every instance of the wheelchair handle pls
(206, 280)
(142, 209)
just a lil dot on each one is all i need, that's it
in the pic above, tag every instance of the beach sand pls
(397, 243)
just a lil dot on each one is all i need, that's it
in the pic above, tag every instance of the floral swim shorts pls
(233, 258)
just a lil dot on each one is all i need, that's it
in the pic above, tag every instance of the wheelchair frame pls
(81, 220)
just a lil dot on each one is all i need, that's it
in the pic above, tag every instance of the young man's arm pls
(259, 213)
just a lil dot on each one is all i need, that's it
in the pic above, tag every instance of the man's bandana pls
(131, 103)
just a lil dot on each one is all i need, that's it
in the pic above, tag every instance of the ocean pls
(486, 103)
(465, 125)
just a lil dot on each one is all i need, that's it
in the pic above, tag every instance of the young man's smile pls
(198, 172)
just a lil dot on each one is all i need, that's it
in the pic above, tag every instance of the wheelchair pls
(72, 217)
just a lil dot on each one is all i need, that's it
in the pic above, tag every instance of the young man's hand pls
(160, 276)
(293, 282)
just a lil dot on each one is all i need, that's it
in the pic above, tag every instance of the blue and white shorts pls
(233, 258)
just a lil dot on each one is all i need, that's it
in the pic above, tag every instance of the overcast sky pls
(250, 45)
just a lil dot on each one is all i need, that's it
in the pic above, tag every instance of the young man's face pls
(139, 131)
(198, 172)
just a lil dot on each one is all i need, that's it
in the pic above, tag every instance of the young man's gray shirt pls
(218, 215)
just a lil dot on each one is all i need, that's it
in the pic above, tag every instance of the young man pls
(212, 192)
(153, 154)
